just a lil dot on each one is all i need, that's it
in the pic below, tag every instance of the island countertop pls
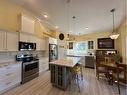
(67, 61)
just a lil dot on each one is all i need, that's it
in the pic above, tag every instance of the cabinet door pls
(11, 76)
(43, 65)
(27, 24)
(40, 66)
(24, 37)
(32, 38)
(43, 44)
(12, 41)
(2, 40)
(38, 44)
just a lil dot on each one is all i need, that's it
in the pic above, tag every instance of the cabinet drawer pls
(10, 69)
(9, 75)
(6, 83)
(10, 80)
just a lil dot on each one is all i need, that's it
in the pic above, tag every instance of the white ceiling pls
(94, 14)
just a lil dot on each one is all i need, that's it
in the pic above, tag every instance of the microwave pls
(27, 46)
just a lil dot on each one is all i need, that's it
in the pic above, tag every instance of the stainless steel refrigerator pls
(53, 52)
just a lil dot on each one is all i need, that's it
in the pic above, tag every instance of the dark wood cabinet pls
(102, 54)
(90, 62)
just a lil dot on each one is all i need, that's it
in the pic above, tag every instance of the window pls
(81, 47)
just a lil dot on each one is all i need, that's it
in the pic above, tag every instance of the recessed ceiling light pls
(45, 16)
(56, 27)
(86, 28)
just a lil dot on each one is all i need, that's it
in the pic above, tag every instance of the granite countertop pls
(67, 61)
(80, 55)
(4, 64)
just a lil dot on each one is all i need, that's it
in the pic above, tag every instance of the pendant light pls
(114, 35)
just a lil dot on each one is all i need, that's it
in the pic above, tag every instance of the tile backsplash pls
(10, 55)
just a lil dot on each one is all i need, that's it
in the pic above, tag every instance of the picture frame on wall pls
(70, 45)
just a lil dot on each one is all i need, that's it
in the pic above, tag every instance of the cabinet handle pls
(8, 83)
(8, 74)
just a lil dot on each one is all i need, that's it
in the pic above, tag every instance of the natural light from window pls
(79, 48)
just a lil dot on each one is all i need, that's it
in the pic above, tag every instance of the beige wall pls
(93, 36)
(10, 19)
(121, 41)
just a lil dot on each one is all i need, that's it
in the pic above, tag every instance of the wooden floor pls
(89, 86)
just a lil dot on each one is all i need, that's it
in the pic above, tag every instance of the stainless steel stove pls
(30, 67)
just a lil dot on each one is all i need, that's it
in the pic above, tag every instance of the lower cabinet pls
(9, 76)
(60, 76)
(90, 61)
(43, 64)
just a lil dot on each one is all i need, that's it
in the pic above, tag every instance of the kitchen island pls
(60, 71)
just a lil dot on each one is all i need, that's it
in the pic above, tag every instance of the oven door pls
(30, 68)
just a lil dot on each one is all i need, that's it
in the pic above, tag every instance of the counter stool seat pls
(76, 71)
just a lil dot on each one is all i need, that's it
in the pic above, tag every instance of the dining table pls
(110, 69)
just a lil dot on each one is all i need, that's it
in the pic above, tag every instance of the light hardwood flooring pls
(89, 86)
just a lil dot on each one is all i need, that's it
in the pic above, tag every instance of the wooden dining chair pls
(120, 75)
(100, 70)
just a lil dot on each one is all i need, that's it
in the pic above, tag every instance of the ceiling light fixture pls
(56, 27)
(86, 28)
(114, 35)
(45, 16)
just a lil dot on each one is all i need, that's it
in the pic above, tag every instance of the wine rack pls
(59, 76)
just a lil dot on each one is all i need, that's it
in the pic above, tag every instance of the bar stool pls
(75, 72)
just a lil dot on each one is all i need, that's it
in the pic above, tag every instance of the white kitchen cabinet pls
(10, 75)
(2, 40)
(8, 41)
(44, 45)
(52, 41)
(27, 24)
(12, 41)
(43, 64)
(32, 38)
(41, 44)
(24, 37)
(38, 43)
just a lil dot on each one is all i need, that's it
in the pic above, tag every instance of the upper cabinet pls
(24, 37)
(8, 41)
(12, 41)
(2, 40)
(52, 41)
(27, 24)
(41, 44)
